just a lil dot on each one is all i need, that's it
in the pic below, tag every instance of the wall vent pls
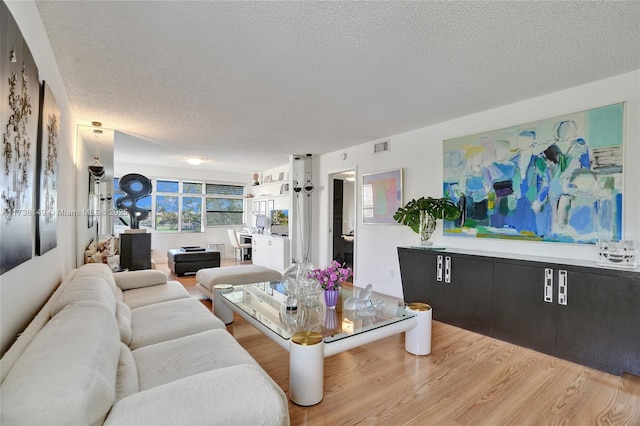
(381, 147)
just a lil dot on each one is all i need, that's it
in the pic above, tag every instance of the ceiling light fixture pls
(195, 161)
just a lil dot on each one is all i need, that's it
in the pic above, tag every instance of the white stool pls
(216, 246)
(220, 309)
(306, 368)
(417, 341)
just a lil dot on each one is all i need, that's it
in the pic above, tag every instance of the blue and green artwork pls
(554, 180)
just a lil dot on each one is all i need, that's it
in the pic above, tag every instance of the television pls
(279, 217)
(280, 222)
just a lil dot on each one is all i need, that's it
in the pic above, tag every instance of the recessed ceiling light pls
(195, 161)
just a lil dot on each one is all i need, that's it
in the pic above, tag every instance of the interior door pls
(338, 241)
(342, 213)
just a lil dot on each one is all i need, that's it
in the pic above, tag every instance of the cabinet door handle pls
(548, 285)
(562, 287)
(439, 269)
(269, 242)
(447, 269)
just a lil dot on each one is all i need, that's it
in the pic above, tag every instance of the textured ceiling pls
(245, 84)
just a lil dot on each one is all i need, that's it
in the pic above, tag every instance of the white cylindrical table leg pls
(220, 309)
(306, 368)
(418, 340)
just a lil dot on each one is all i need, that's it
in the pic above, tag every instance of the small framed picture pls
(281, 177)
(381, 196)
(269, 289)
(270, 204)
(266, 179)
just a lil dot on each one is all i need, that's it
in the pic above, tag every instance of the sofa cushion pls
(143, 296)
(136, 279)
(97, 270)
(119, 294)
(218, 397)
(67, 374)
(127, 379)
(123, 316)
(169, 320)
(174, 359)
(85, 288)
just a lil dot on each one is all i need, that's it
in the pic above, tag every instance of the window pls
(166, 213)
(225, 204)
(185, 206)
(167, 186)
(191, 214)
(192, 188)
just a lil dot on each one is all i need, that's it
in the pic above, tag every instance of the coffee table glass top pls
(264, 302)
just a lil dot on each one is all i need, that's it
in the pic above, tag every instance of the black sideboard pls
(584, 314)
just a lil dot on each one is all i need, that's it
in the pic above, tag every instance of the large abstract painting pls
(47, 172)
(19, 100)
(557, 180)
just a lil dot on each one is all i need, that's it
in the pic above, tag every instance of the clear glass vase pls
(427, 226)
(299, 287)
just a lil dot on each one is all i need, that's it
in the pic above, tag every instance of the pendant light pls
(96, 169)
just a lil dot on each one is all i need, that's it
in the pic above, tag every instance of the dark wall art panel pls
(19, 100)
(47, 172)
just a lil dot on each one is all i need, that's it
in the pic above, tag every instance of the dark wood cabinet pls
(135, 251)
(465, 292)
(600, 324)
(519, 311)
(584, 314)
(457, 288)
(419, 272)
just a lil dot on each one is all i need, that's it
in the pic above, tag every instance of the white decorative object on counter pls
(619, 254)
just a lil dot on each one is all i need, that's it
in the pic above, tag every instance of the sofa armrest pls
(135, 279)
(238, 395)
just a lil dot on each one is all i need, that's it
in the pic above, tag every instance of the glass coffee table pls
(312, 331)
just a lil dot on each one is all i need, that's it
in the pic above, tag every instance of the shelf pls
(262, 197)
(271, 189)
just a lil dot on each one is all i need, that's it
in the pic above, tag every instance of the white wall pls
(163, 241)
(419, 153)
(24, 289)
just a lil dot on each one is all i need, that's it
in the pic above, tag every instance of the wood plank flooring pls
(468, 379)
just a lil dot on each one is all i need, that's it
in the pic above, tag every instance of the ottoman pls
(234, 275)
(183, 262)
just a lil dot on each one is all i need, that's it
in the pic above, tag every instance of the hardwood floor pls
(468, 379)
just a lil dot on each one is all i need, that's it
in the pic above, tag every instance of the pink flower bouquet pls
(332, 276)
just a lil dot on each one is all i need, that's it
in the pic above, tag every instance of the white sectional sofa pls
(132, 348)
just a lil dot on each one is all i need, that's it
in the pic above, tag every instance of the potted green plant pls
(421, 215)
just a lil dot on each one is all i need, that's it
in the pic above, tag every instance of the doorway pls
(343, 215)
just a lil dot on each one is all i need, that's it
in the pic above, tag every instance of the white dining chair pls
(238, 247)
